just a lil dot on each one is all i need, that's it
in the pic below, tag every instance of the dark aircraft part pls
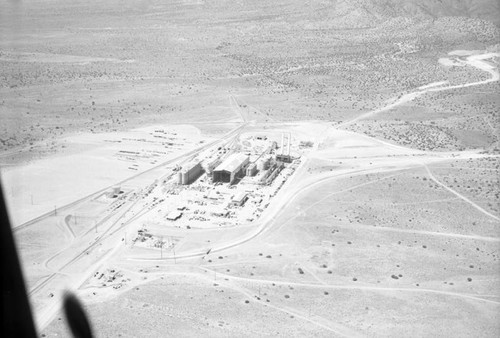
(76, 317)
(17, 318)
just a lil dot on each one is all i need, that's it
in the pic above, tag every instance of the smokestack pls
(282, 143)
(288, 147)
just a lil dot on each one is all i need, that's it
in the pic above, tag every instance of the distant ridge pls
(371, 12)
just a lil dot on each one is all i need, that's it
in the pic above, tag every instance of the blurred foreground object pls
(17, 320)
(76, 317)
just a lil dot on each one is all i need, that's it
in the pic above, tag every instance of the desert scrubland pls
(384, 221)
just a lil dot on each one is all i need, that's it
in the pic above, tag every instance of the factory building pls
(211, 165)
(264, 163)
(232, 166)
(251, 169)
(189, 173)
(271, 173)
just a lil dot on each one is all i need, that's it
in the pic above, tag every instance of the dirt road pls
(476, 61)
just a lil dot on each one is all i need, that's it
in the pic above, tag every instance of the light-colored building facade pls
(189, 173)
(232, 166)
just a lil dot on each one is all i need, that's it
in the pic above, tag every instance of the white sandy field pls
(43, 185)
(37, 188)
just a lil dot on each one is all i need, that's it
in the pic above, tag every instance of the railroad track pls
(192, 153)
(106, 234)
(111, 230)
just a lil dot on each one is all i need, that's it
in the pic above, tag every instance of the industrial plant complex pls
(258, 168)
(235, 165)
(225, 186)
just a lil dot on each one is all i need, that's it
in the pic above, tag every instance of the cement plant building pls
(189, 173)
(232, 166)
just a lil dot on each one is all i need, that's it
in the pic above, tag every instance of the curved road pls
(474, 61)
(284, 198)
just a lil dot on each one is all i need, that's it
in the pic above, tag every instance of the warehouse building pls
(232, 166)
(211, 165)
(189, 173)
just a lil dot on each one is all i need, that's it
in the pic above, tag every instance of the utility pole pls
(161, 247)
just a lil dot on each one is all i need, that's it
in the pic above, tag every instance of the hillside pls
(372, 12)
(80, 66)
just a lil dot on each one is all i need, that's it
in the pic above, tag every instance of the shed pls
(239, 199)
(174, 215)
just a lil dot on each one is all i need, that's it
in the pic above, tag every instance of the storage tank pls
(251, 169)
(263, 163)
(185, 177)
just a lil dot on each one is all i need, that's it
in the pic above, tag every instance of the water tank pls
(185, 177)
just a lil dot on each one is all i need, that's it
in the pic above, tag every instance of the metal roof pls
(232, 163)
(189, 166)
(239, 197)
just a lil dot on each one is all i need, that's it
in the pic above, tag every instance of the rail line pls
(95, 194)
(106, 234)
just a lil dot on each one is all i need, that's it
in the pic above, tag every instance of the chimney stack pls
(288, 147)
(282, 143)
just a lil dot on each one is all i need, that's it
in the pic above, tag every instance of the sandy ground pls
(45, 184)
(441, 116)
(367, 237)
(297, 259)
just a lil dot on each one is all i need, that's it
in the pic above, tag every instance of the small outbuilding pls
(174, 215)
(239, 199)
